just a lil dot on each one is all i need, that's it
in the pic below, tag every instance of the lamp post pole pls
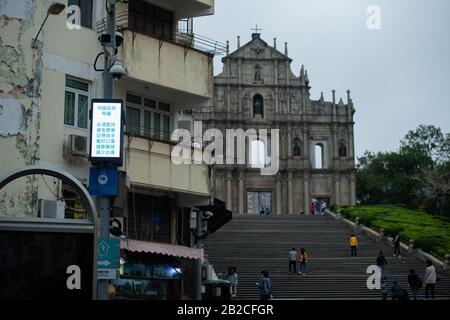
(108, 87)
(199, 261)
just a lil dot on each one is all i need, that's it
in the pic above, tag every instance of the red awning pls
(161, 248)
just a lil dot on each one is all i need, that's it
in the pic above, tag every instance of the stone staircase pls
(253, 243)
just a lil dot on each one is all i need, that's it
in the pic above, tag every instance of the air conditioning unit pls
(78, 146)
(51, 209)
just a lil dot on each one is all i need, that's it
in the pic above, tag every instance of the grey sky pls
(399, 76)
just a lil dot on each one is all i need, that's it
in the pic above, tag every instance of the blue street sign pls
(103, 181)
(108, 253)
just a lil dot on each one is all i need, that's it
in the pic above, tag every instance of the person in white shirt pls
(430, 280)
(293, 260)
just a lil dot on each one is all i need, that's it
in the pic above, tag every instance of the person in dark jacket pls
(414, 283)
(398, 293)
(381, 263)
(397, 246)
(384, 288)
(264, 285)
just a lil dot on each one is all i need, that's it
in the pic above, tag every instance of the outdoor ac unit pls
(51, 208)
(78, 145)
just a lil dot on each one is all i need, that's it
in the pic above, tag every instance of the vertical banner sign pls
(106, 132)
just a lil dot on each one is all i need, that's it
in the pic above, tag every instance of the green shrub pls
(430, 233)
(334, 207)
(393, 231)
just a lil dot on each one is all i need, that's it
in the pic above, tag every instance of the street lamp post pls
(108, 87)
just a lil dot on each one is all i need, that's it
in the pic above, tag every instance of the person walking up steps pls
(302, 258)
(293, 260)
(384, 288)
(353, 241)
(381, 263)
(264, 285)
(430, 280)
(414, 283)
(397, 252)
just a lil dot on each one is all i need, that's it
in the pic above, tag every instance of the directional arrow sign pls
(104, 263)
(108, 253)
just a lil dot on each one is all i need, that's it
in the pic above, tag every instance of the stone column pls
(228, 98)
(289, 141)
(306, 194)
(305, 150)
(351, 151)
(229, 204)
(290, 200)
(241, 192)
(335, 141)
(239, 85)
(278, 191)
(336, 189)
(277, 105)
(352, 189)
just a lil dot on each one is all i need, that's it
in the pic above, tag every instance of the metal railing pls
(147, 132)
(153, 28)
(160, 135)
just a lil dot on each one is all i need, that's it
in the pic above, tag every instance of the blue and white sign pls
(107, 258)
(106, 131)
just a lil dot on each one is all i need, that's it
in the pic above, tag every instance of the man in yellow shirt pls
(353, 245)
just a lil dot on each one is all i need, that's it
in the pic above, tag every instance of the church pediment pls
(257, 49)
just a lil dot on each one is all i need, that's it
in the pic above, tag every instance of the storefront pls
(153, 271)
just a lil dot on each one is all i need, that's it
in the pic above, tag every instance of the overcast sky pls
(399, 75)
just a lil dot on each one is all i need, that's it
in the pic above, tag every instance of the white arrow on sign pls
(104, 263)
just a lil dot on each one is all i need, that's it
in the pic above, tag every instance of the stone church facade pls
(257, 89)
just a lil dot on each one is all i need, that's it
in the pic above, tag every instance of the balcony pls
(159, 51)
(149, 165)
(167, 64)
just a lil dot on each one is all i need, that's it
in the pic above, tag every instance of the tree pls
(418, 174)
(430, 140)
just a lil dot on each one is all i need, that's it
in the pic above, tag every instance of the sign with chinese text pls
(106, 131)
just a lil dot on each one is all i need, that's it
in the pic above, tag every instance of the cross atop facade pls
(256, 29)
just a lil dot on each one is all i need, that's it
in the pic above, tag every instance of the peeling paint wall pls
(20, 81)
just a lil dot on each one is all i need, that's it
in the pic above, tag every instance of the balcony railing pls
(165, 32)
(148, 132)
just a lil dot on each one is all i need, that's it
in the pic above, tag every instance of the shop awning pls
(161, 248)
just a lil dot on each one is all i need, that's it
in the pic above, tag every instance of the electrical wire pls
(49, 189)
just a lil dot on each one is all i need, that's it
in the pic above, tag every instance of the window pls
(76, 103)
(86, 11)
(150, 19)
(258, 105)
(257, 154)
(147, 117)
(296, 147)
(318, 149)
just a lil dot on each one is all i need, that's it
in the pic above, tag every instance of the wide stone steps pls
(255, 243)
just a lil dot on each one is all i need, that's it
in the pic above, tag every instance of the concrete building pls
(45, 93)
(257, 89)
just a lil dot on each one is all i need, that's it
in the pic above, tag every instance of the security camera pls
(119, 39)
(117, 69)
(104, 38)
(208, 214)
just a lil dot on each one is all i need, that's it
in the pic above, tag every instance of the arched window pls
(257, 154)
(318, 151)
(258, 105)
(342, 148)
(296, 150)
